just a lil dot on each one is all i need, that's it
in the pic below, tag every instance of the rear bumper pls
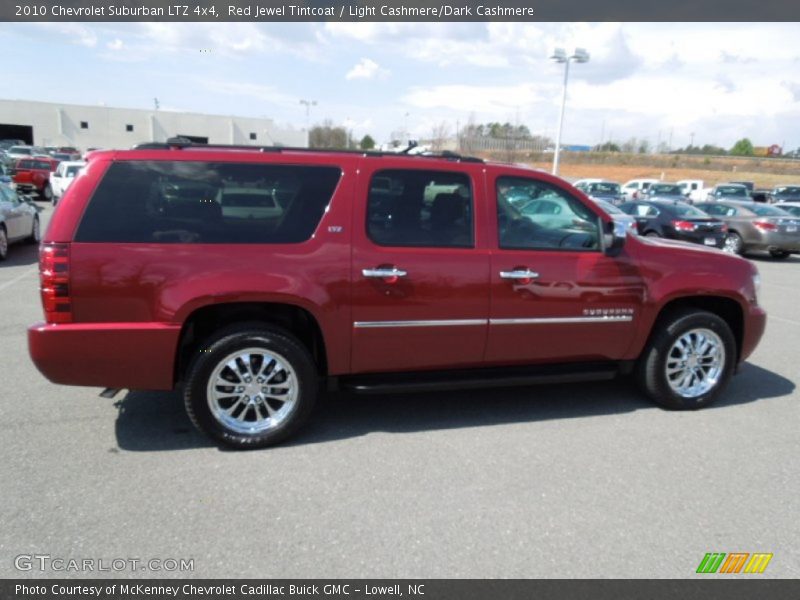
(755, 321)
(775, 241)
(118, 355)
(701, 237)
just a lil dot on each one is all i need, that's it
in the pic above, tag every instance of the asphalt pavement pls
(579, 480)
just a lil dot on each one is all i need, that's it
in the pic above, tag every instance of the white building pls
(52, 124)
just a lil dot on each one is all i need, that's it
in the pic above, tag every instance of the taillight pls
(54, 282)
(684, 226)
(765, 225)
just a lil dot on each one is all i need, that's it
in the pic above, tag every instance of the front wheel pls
(652, 234)
(688, 361)
(3, 243)
(251, 386)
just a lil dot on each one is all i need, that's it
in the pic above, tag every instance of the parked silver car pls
(19, 220)
(757, 226)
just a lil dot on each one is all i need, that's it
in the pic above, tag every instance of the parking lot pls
(582, 480)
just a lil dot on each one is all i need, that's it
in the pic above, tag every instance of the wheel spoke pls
(252, 390)
(694, 363)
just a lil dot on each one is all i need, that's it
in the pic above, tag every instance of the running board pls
(390, 383)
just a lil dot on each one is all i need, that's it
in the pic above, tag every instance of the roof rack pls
(179, 143)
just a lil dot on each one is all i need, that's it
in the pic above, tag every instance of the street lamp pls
(560, 56)
(308, 104)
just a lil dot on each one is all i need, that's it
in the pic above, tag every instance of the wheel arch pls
(204, 321)
(728, 309)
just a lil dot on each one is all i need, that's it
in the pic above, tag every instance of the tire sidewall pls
(654, 372)
(3, 247)
(209, 356)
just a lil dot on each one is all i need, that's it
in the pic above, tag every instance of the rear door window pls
(208, 202)
(418, 208)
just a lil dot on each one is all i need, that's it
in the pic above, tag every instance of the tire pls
(678, 390)
(779, 254)
(47, 193)
(250, 413)
(3, 243)
(652, 234)
(36, 233)
(733, 243)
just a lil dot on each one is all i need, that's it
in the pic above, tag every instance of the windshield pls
(763, 210)
(603, 188)
(731, 190)
(72, 171)
(685, 210)
(665, 188)
(787, 191)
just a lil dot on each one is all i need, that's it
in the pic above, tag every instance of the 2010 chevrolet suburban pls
(247, 277)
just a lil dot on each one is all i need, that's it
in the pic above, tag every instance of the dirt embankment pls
(764, 172)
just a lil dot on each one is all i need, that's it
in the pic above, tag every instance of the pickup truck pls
(33, 175)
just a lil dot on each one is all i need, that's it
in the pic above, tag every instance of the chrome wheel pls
(733, 243)
(695, 363)
(252, 390)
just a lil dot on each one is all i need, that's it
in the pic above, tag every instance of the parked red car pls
(33, 175)
(249, 277)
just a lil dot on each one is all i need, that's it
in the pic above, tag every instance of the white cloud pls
(116, 45)
(493, 101)
(83, 35)
(366, 69)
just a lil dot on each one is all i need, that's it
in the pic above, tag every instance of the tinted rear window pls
(208, 203)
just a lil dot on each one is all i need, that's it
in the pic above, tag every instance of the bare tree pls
(439, 136)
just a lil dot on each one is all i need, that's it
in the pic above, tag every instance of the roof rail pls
(180, 143)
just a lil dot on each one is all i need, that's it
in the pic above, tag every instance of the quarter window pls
(208, 203)
(535, 215)
(420, 209)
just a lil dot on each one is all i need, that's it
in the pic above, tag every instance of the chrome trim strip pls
(556, 320)
(432, 323)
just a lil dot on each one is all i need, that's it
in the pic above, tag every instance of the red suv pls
(248, 277)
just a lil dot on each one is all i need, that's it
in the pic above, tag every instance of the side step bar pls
(389, 383)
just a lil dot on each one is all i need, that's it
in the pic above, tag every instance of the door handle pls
(388, 274)
(519, 274)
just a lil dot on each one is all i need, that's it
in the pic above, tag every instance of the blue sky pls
(655, 81)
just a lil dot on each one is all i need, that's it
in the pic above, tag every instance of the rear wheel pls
(652, 234)
(779, 254)
(251, 386)
(688, 361)
(47, 193)
(733, 243)
(3, 243)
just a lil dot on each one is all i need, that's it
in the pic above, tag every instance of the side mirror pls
(614, 235)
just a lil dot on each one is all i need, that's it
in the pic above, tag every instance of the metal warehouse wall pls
(60, 125)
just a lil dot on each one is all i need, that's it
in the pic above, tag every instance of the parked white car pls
(693, 189)
(633, 189)
(65, 173)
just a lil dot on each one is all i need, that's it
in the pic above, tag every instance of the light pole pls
(308, 104)
(560, 56)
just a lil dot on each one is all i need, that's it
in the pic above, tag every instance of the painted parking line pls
(782, 319)
(19, 277)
